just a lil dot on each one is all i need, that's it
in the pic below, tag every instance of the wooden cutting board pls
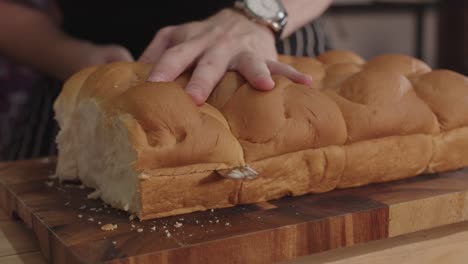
(67, 224)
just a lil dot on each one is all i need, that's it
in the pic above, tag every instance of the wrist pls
(268, 13)
(232, 15)
(239, 14)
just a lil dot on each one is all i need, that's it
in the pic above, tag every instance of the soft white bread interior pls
(148, 149)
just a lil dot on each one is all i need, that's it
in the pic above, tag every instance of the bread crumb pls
(228, 224)
(81, 186)
(99, 222)
(67, 204)
(139, 230)
(210, 221)
(212, 210)
(181, 219)
(143, 176)
(153, 228)
(126, 206)
(49, 183)
(82, 207)
(177, 225)
(131, 217)
(92, 209)
(217, 221)
(91, 219)
(108, 227)
(114, 242)
(94, 195)
(196, 221)
(80, 216)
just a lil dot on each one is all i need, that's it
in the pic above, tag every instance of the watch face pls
(264, 8)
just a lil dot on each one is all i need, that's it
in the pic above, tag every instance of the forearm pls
(31, 38)
(303, 11)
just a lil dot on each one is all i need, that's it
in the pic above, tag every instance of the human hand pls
(81, 54)
(225, 41)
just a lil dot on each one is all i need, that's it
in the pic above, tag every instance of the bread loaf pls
(148, 149)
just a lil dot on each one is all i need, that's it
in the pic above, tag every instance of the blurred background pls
(434, 31)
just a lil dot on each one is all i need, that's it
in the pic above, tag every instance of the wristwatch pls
(270, 13)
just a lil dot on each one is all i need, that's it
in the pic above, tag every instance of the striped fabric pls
(37, 139)
(309, 41)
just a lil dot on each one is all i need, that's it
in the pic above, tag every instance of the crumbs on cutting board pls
(94, 211)
(108, 227)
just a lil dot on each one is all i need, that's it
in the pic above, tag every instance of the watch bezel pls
(276, 23)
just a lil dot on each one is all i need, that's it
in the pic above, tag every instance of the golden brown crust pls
(290, 118)
(336, 74)
(66, 102)
(373, 108)
(307, 171)
(176, 134)
(446, 93)
(112, 79)
(401, 64)
(450, 151)
(340, 56)
(382, 120)
(385, 159)
(308, 66)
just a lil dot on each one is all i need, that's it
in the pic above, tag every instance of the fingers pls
(255, 70)
(208, 45)
(208, 72)
(278, 68)
(117, 53)
(177, 59)
(157, 46)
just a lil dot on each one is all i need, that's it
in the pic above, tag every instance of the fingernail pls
(264, 83)
(271, 83)
(157, 77)
(309, 79)
(197, 98)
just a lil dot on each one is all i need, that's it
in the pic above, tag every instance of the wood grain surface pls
(68, 225)
(442, 245)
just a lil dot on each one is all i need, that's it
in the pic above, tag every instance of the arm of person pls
(30, 37)
(303, 11)
(226, 41)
